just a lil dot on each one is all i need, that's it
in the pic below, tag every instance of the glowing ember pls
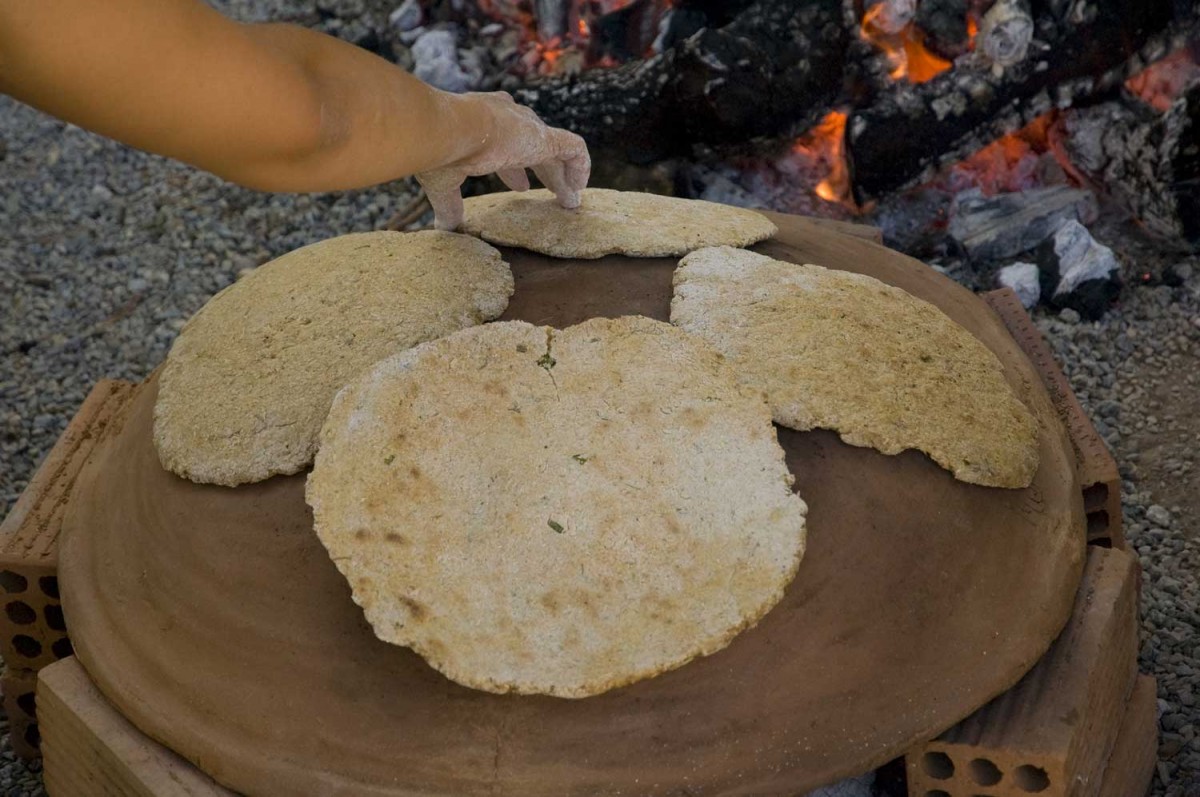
(1026, 159)
(825, 147)
(905, 49)
(1159, 84)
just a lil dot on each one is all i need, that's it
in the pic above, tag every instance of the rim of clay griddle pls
(214, 620)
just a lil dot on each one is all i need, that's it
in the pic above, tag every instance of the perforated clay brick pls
(1052, 733)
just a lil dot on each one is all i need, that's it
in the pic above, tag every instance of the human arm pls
(269, 106)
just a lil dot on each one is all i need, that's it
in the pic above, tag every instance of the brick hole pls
(54, 618)
(20, 612)
(937, 793)
(62, 648)
(1031, 779)
(1102, 542)
(27, 703)
(1097, 522)
(13, 582)
(32, 735)
(984, 772)
(1095, 495)
(937, 765)
(27, 646)
(49, 585)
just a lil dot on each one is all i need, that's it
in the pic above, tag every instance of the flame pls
(826, 143)
(906, 51)
(584, 30)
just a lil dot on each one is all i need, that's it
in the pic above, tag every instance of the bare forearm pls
(273, 107)
(378, 122)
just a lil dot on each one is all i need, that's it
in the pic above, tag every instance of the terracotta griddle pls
(215, 621)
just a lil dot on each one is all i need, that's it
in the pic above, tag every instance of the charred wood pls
(1148, 163)
(905, 133)
(778, 65)
(944, 23)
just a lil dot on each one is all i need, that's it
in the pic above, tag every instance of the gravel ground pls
(107, 251)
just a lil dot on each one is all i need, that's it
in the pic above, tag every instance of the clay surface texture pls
(217, 623)
(611, 222)
(557, 512)
(250, 379)
(841, 351)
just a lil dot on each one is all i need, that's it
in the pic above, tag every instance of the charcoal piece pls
(1004, 225)
(1146, 162)
(944, 23)
(1078, 272)
(777, 67)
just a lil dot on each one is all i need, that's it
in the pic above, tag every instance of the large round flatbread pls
(842, 351)
(557, 512)
(249, 380)
(611, 222)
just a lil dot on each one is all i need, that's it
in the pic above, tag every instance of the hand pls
(515, 139)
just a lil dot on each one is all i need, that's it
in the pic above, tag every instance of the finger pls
(576, 160)
(515, 179)
(445, 195)
(552, 175)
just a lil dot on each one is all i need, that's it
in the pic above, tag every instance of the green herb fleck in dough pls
(389, 459)
(546, 361)
(580, 458)
(554, 524)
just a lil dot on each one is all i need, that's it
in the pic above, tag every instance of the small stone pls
(406, 16)
(1159, 516)
(1069, 316)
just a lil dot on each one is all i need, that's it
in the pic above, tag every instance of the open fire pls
(821, 107)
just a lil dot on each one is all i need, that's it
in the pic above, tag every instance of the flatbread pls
(842, 351)
(557, 512)
(251, 376)
(611, 222)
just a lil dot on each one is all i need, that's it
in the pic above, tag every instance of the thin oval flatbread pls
(557, 512)
(249, 380)
(841, 351)
(611, 222)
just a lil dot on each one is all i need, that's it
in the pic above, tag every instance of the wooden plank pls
(89, 748)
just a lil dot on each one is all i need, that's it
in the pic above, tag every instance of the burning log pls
(776, 66)
(1081, 48)
(1149, 163)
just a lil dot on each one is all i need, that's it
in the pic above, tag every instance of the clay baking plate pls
(214, 620)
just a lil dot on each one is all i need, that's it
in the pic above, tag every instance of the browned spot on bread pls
(416, 611)
(362, 534)
(550, 601)
(394, 538)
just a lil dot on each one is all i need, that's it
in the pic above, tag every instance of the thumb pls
(445, 196)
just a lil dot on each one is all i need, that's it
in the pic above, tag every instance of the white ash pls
(1005, 33)
(1081, 258)
(1023, 278)
(893, 16)
(436, 58)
